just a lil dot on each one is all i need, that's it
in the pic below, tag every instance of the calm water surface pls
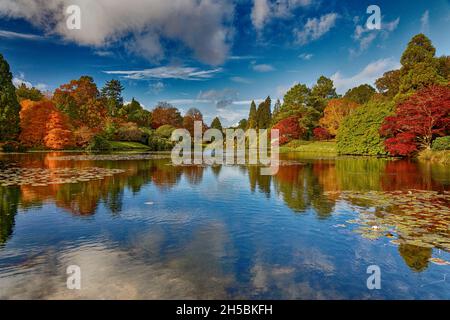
(140, 228)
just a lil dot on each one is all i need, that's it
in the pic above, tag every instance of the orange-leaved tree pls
(59, 136)
(33, 119)
(335, 112)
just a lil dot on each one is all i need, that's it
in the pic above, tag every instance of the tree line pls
(407, 111)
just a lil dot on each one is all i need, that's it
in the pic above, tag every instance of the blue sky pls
(211, 54)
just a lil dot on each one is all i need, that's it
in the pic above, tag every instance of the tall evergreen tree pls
(9, 107)
(216, 124)
(420, 67)
(321, 93)
(264, 114)
(253, 117)
(276, 109)
(112, 93)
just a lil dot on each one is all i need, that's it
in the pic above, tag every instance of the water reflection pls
(226, 231)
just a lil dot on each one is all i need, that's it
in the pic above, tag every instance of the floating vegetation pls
(417, 217)
(111, 157)
(39, 177)
(439, 261)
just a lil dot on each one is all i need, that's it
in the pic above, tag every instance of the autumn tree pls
(417, 121)
(9, 106)
(289, 129)
(264, 114)
(216, 124)
(58, 133)
(79, 99)
(192, 115)
(112, 93)
(335, 112)
(165, 113)
(33, 119)
(321, 134)
(253, 117)
(43, 125)
(360, 94)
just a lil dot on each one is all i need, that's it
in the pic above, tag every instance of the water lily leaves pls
(38, 177)
(419, 218)
(111, 157)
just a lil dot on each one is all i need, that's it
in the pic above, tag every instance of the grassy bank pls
(442, 157)
(127, 146)
(311, 147)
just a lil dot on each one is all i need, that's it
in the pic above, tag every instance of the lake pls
(140, 228)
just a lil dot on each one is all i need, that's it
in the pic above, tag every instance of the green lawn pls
(311, 147)
(123, 146)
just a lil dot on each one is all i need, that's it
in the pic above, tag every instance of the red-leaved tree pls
(289, 129)
(321, 134)
(417, 121)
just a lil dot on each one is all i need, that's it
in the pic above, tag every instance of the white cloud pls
(171, 72)
(260, 13)
(265, 10)
(365, 37)
(157, 87)
(240, 80)
(20, 80)
(316, 28)
(306, 56)
(425, 22)
(263, 68)
(203, 26)
(23, 36)
(368, 75)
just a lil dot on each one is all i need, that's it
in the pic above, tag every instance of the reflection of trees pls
(401, 175)
(9, 199)
(359, 174)
(259, 181)
(300, 188)
(415, 257)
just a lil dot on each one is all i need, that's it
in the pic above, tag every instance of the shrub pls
(12, 146)
(83, 136)
(157, 143)
(321, 134)
(99, 143)
(129, 132)
(165, 131)
(359, 133)
(289, 129)
(441, 144)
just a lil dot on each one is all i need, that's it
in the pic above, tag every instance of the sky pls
(215, 55)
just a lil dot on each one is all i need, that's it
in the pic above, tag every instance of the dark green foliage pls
(322, 91)
(25, 93)
(9, 199)
(99, 143)
(157, 143)
(420, 68)
(137, 114)
(243, 124)
(361, 94)
(112, 93)
(165, 131)
(359, 133)
(264, 114)
(9, 106)
(441, 144)
(294, 103)
(216, 124)
(253, 117)
(389, 83)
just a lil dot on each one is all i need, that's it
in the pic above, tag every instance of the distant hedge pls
(441, 144)
(359, 133)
